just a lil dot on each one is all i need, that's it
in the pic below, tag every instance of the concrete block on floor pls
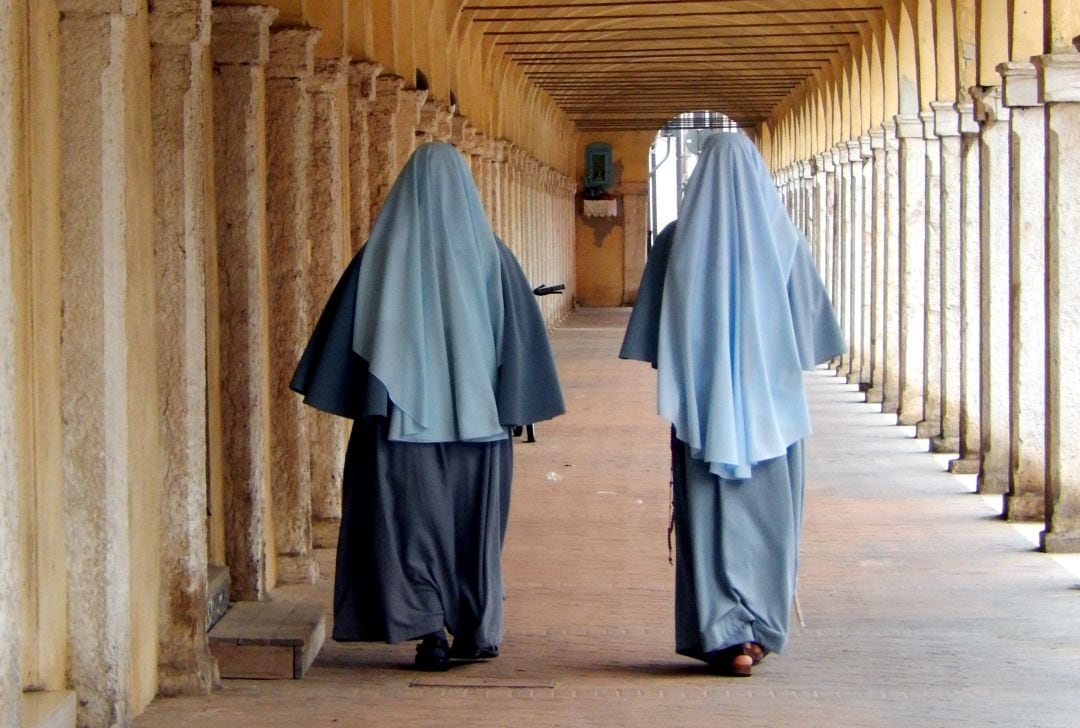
(268, 640)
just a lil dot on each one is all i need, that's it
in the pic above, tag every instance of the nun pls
(730, 312)
(433, 344)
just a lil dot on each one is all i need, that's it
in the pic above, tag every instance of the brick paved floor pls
(921, 607)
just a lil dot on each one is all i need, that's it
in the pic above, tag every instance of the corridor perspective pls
(921, 609)
(182, 182)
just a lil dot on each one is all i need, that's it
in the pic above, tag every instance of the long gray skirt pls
(736, 550)
(421, 537)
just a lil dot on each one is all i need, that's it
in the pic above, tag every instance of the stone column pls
(855, 276)
(332, 244)
(842, 246)
(241, 44)
(382, 140)
(947, 129)
(912, 268)
(362, 82)
(866, 222)
(878, 252)
(818, 242)
(502, 179)
(410, 101)
(890, 401)
(16, 581)
(994, 279)
(830, 237)
(970, 294)
(183, 222)
(288, 152)
(1027, 301)
(1059, 89)
(930, 425)
(109, 388)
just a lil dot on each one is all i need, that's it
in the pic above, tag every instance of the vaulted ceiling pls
(634, 65)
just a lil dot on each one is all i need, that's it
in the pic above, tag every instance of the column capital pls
(362, 75)
(827, 162)
(946, 118)
(330, 76)
(842, 153)
(1019, 83)
(387, 88)
(240, 34)
(854, 149)
(292, 52)
(502, 147)
(988, 105)
(98, 7)
(865, 149)
(927, 119)
(806, 168)
(968, 123)
(877, 138)
(909, 126)
(1058, 77)
(182, 22)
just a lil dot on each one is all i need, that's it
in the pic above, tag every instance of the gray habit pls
(422, 525)
(736, 541)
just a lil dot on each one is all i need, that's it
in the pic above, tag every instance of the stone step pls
(217, 594)
(269, 640)
(48, 709)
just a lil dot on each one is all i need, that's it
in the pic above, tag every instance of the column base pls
(324, 532)
(991, 484)
(196, 679)
(927, 430)
(940, 443)
(1060, 543)
(964, 465)
(297, 569)
(48, 709)
(874, 395)
(1025, 507)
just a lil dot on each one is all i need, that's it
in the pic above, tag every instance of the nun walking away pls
(433, 344)
(730, 312)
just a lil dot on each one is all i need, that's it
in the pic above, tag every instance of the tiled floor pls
(921, 607)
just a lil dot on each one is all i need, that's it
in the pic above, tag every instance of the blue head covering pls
(429, 303)
(729, 373)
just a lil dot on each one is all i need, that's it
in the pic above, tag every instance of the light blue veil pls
(729, 373)
(429, 303)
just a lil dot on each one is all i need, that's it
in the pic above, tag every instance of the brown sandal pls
(754, 651)
(730, 661)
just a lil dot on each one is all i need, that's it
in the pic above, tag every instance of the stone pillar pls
(912, 269)
(947, 129)
(109, 389)
(361, 97)
(410, 101)
(890, 401)
(856, 281)
(878, 206)
(830, 237)
(332, 244)
(288, 152)
(241, 43)
(382, 144)
(1059, 89)
(930, 425)
(502, 179)
(970, 294)
(183, 222)
(15, 579)
(1027, 301)
(994, 279)
(843, 248)
(864, 375)
(818, 242)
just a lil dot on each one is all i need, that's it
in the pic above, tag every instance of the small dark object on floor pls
(433, 653)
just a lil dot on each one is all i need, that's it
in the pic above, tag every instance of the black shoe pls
(464, 649)
(433, 653)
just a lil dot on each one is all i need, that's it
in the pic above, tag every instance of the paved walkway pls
(921, 607)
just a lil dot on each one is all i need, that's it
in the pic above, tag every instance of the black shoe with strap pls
(433, 653)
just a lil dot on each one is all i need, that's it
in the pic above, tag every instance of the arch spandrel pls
(945, 45)
(890, 61)
(1064, 17)
(877, 75)
(907, 59)
(993, 39)
(865, 86)
(1027, 35)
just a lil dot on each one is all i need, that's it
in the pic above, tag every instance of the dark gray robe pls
(422, 524)
(737, 541)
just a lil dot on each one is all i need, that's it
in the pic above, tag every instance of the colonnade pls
(180, 187)
(939, 203)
